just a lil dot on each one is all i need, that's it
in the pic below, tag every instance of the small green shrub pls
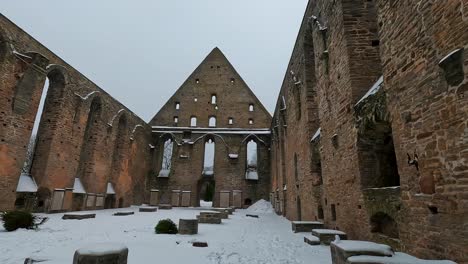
(166, 226)
(18, 219)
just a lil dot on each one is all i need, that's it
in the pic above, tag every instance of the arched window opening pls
(120, 148)
(177, 106)
(176, 119)
(316, 163)
(87, 164)
(251, 172)
(193, 121)
(320, 212)
(231, 121)
(166, 158)
(333, 212)
(212, 122)
(251, 107)
(208, 164)
(251, 121)
(384, 224)
(248, 202)
(213, 99)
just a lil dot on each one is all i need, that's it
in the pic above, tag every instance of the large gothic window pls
(208, 164)
(167, 158)
(252, 161)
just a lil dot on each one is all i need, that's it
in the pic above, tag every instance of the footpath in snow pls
(239, 239)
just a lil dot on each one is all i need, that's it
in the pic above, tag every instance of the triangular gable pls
(215, 75)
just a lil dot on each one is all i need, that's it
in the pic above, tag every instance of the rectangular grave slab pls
(252, 215)
(123, 213)
(305, 226)
(342, 250)
(312, 240)
(326, 236)
(165, 207)
(78, 216)
(147, 209)
(203, 220)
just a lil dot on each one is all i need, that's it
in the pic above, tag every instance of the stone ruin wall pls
(342, 49)
(84, 132)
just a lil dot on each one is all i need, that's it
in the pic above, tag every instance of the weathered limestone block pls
(165, 206)
(78, 216)
(105, 253)
(326, 236)
(148, 209)
(188, 226)
(305, 226)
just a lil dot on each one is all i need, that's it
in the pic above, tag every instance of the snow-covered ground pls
(239, 239)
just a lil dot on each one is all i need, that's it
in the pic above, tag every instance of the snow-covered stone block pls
(123, 213)
(147, 209)
(78, 216)
(209, 217)
(326, 236)
(342, 250)
(312, 240)
(165, 207)
(103, 253)
(224, 213)
(305, 226)
(398, 258)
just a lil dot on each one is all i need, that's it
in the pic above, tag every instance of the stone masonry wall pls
(366, 148)
(428, 102)
(215, 76)
(79, 121)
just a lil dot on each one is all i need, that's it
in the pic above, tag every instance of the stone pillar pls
(188, 226)
(104, 253)
(154, 198)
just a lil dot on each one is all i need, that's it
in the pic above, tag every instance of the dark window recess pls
(384, 224)
(320, 212)
(452, 65)
(333, 212)
(375, 42)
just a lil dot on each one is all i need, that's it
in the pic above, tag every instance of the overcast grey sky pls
(141, 51)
